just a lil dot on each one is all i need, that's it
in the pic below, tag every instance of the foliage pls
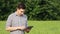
(35, 9)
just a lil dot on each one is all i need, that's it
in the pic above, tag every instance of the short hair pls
(21, 5)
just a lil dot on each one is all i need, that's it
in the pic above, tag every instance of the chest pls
(18, 21)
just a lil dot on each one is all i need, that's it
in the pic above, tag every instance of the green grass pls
(40, 27)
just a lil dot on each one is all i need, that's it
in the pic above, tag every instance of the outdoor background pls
(44, 15)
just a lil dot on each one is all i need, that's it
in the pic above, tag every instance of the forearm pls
(11, 28)
(15, 28)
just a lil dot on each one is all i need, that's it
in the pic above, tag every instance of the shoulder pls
(11, 15)
(25, 16)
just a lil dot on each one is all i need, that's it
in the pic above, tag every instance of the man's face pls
(20, 11)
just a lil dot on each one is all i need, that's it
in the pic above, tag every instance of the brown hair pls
(21, 5)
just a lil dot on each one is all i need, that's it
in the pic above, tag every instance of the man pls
(17, 22)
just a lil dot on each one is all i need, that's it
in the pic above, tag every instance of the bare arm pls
(11, 28)
(15, 28)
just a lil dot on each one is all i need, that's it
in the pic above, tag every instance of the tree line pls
(35, 9)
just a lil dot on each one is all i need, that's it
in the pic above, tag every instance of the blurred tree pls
(35, 9)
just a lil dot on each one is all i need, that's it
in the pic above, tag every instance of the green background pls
(35, 9)
(40, 27)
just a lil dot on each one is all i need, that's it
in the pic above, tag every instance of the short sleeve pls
(25, 22)
(8, 22)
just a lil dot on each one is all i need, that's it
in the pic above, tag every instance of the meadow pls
(40, 27)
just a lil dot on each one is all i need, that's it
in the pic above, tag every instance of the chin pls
(21, 14)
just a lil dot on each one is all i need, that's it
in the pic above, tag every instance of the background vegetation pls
(35, 9)
(40, 27)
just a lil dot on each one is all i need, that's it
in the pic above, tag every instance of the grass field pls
(40, 27)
